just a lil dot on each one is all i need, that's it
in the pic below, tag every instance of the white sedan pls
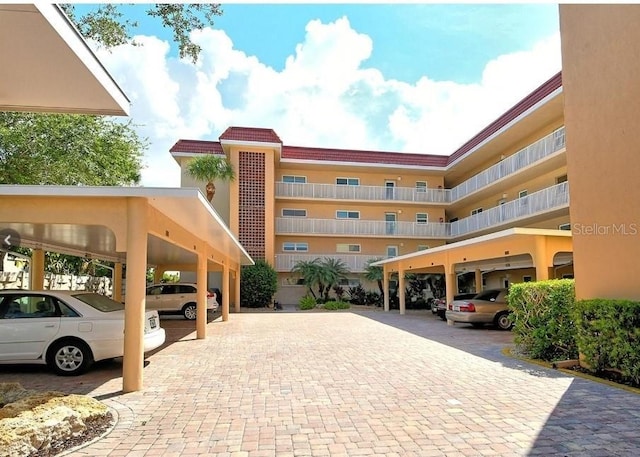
(68, 331)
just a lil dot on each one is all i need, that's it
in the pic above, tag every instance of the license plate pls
(152, 322)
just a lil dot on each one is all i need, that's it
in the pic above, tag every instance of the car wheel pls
(69, 357)
(503, 321)
(189, 311)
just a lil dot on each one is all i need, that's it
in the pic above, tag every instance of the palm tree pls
(332, 271)
(209, 168)
(375, 273)
(309, 270)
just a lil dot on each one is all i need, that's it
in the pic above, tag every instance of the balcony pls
(548, 145)
(549, 199)
(355, 262)
(357, 227)
(361, 193)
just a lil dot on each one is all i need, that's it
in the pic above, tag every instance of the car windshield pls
(99, 302)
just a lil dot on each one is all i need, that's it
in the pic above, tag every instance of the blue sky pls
(409, 78)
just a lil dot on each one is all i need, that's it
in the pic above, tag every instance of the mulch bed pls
(95, 428)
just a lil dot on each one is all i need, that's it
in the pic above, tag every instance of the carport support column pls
(225, 293)
(135, 298)
(236, 283)
(401, 290)
(478, 281)
(201, 306)
(540, 259)
(116, 285)
(451, 284)
(385, 286)
(37, 269)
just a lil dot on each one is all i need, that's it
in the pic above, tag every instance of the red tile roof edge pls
(262, 135)
(516, 110)
(359, 156)
(197, 147)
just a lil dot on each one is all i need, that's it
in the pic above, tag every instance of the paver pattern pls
(360, 383)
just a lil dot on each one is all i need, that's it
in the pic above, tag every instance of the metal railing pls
(521, 159)
(553, 197)
(357, 227)
(365, 193)
(356, 263)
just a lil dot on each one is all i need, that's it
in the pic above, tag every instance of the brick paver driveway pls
(348, 384)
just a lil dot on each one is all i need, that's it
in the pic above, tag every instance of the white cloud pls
(323, 97)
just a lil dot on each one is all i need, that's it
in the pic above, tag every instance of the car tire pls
(503, 321)
(189, 311)
(69, 357)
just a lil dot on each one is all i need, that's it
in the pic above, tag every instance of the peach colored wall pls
(512, 149)
(369, 246)
(601, 64)
(531, 186)
(370, 212)
(329, 174)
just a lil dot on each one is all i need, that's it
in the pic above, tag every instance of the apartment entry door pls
(390, 223)
(390, 192)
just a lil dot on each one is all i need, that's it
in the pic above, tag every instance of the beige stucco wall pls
(601, 64)
(329, 174)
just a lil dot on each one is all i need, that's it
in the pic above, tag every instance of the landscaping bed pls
(34, 423)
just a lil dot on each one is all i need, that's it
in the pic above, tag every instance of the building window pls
(294, 212)
(347, 247)
(453, 219)
(561, 179)
(527, 279)
(502, 201)
(422, 218)
(294, 179)
(348, 181)
(476, 211)
(421, 186)
(349, 282)
(567, 276)
(392, 251)
(344, 214)
(564, 227)
(522, 193)
(423, 247)
(295, 247)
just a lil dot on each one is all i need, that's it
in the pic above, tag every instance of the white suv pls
(177, 297)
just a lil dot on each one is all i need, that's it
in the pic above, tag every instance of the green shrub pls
(334, 305)
(357, 295)
(543, 321)
(608, 335)
(307, 302)
(258, 284)
(373, 298)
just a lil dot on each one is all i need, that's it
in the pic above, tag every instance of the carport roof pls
(46, 66)
(187, 207)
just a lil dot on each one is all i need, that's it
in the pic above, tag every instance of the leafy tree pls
(375, 273)
(258, 284)
(209, 168)
(108, 26)
(323, 274)
(68, 149)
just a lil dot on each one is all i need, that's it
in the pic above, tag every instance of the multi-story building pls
(293, 203)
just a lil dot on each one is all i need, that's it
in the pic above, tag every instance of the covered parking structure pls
(541, 249)
(135, 226)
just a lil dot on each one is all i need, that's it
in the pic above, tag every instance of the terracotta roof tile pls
(250, 134)
(197, 147)
(519, 108)
(349, 155)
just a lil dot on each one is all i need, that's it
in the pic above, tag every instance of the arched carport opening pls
(132, 225)
(515, 248)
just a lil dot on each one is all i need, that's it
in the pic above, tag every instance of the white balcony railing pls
(358, 227)
(355, 262)
(553, 197)
(521, 159)
(362, 193)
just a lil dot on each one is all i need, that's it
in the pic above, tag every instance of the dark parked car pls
(440, 305)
